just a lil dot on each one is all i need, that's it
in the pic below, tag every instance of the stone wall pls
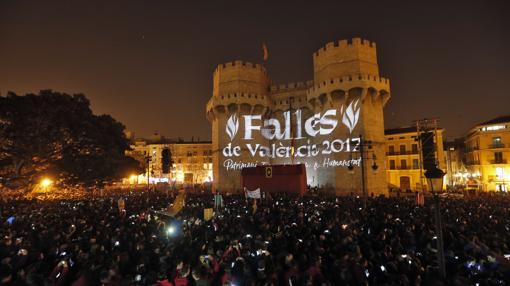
(345, 73)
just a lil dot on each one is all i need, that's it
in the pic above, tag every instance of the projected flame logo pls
(232, 126)
(351, 115)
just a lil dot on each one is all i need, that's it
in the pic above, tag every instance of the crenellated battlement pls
(238, 64)
(291, 86)
(237, 98)
(356, 43)
(240, 77)
(345, 57)
(351, 78)
(349, 82)
(243, 96)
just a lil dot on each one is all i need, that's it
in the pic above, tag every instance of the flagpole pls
(291, 131)
(265, 57)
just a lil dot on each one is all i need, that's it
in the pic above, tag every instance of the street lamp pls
(435, 181)
(374, 165)
(45, 183)
(148, 159)
(363, 145)
(435, 178)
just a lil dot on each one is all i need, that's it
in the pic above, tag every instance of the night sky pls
(149, 63)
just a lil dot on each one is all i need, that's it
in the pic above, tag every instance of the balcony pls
(403, 168)
(471, 149)
(496, 146)
(502, 161)
(402, 153)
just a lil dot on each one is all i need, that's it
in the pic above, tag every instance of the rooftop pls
(169, 141)
(500, 119)
(404, 129)
(400, 130)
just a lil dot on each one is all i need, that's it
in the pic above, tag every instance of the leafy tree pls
(57, 134)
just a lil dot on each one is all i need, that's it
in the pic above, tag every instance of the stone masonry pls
(346, 76)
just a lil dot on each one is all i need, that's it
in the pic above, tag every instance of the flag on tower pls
(265, 52)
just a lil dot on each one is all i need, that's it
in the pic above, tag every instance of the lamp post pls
(362, 145)
(148, 160)
(435, 181)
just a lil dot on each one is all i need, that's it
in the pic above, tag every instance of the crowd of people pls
(280, 240)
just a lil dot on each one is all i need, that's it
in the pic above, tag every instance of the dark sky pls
(149, 63)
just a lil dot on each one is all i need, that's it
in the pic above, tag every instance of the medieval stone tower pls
(326, 118)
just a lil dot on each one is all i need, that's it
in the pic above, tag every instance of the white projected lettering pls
(278, 150)
(272, 138)
(270, 129)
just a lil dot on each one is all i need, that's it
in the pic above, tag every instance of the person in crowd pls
(286, 240)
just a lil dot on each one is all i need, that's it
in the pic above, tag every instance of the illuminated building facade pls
(192, 162)
(457, 175)
(404, 163)
(488, 154)
(320, 123)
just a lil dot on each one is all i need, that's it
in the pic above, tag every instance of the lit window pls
(493, 128)
(500, 172)
(496, 142)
